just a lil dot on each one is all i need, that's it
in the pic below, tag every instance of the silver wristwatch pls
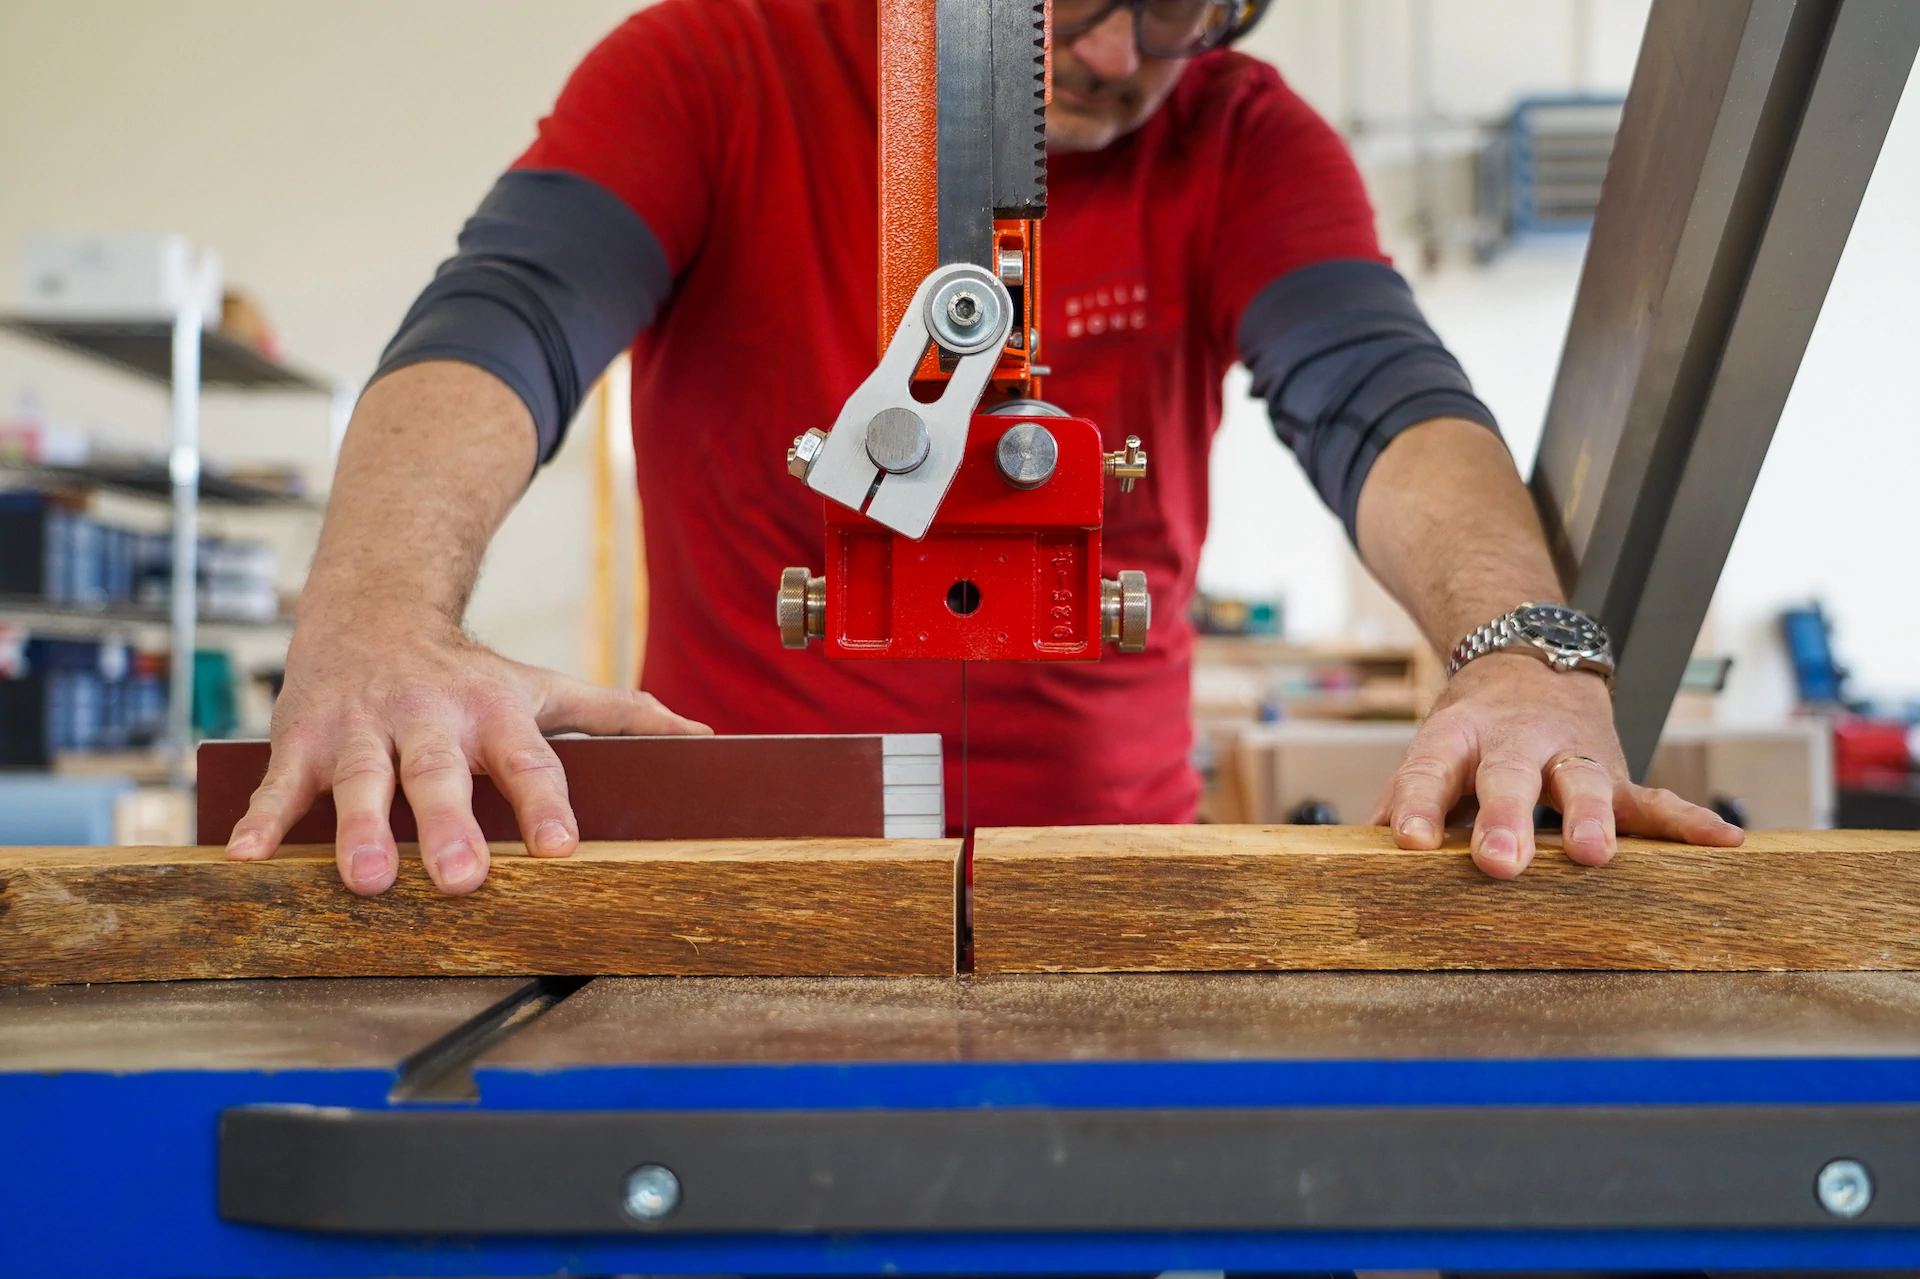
(1564, 638)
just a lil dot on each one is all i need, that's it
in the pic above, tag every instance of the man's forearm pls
(436, 455)
(382, 690)
(1449, 529)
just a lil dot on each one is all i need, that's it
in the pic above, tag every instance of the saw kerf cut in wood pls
(804, 907)
(1198, 898)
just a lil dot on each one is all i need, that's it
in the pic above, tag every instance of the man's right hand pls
(382, 687)
(409, 699)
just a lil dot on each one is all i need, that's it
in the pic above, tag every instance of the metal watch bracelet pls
(1481, 640)
(1563, 637)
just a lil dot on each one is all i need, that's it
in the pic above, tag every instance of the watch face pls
(1560, 627)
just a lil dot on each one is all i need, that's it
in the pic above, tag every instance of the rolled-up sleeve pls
(576, 249)
(1303, 296)
(1345, 361)
(554, 277)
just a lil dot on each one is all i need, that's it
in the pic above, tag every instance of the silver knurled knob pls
(802, 608)
(1126, 611)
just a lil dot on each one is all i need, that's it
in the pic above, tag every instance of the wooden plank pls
(794, 907)
(1192, 898)
(621, 788)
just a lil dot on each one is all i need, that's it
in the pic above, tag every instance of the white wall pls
(1356, 62)
(1355, 59)
(1832, 514)
(1395, 75)
(329, 152)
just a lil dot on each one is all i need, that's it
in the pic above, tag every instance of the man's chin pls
(1069, 130)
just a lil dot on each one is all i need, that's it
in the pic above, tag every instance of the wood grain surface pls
(790, 907)
(1196, 898)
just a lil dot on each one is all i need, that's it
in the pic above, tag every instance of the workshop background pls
(329, 153)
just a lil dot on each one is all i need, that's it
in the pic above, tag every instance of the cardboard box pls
(1782, 777)
(117, 277)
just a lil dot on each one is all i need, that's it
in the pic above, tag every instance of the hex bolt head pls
(1026, 455)
(1844, 1188)
(967, 312)
(897, 440)
(804, 451)
(963, 308)
(652, 1192)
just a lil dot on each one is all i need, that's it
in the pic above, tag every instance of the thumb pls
(571, 705)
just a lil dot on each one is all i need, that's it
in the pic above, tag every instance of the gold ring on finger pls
(1554, 768)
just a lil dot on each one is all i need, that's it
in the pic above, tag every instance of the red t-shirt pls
(743, 132)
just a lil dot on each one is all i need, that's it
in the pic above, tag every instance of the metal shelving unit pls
(149, 478)
(1539, 171)
(186, 357)
(67, 619)
(146, 348)
(1559, 153)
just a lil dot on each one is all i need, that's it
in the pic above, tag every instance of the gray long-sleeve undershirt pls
(555, 275)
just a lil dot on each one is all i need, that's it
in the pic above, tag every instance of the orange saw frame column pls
(909, 156)
(909, 173)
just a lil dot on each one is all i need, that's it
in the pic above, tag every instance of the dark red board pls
(628, 788)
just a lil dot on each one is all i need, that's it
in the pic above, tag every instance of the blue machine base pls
(114, 1175)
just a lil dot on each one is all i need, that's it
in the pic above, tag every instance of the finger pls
(282, 798)
(528, 773)
(1661, 814)
(1508, 787)
(571, 705)
(1427, 784)
(363, 846)
(1381, 814)
(1582, 790)
(438, 780)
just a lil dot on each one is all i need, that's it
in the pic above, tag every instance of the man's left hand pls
(1513, 732)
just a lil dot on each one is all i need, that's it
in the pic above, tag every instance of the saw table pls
(1279, 1121)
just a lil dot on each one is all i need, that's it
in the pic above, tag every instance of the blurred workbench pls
(1287, 732)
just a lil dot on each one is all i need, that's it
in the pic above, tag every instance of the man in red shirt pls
(705, 191)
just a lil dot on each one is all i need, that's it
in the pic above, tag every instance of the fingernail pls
(455, 865)
(1417, 828)
(1590, 832)
(243, 845)
(550, 837)
(1498, 845)
(367, 865)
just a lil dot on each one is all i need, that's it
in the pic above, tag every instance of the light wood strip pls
(775, 907)
(1197, 898)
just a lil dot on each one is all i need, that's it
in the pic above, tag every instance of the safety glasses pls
(1163, 28)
